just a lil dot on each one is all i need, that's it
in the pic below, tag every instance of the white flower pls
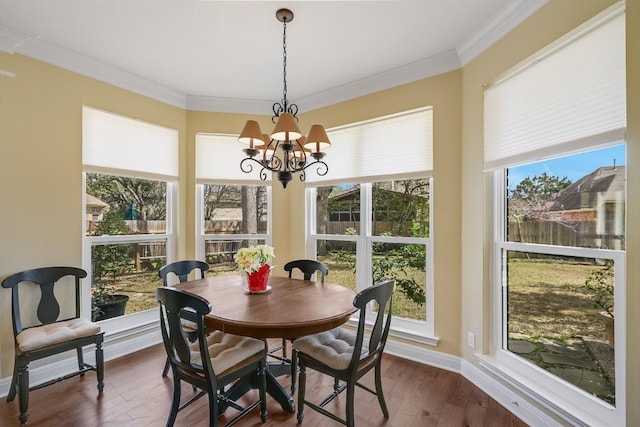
(252, 258)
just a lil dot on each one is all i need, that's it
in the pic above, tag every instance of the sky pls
(573, 167)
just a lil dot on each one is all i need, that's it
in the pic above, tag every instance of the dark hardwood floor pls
(135, 394)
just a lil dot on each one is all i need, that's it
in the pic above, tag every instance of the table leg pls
(274, 389)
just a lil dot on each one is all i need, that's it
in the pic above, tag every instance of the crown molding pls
(422, 69)
(507, 20)
(12, 41)
(228, 105)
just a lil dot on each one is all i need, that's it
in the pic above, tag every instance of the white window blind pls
(567, 98)
(383, 148)
(218, 161)
(119, 145)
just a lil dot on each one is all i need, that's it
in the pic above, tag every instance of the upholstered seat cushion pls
(55, 333)
(334, 348)
(227, 350)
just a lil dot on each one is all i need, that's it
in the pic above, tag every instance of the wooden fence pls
(581, 234)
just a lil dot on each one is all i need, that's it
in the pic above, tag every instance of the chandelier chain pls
(284, 62)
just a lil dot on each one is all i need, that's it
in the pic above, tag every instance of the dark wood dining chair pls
(214, 360)
(347, 356)
(54, 333)
(307, 267)
(182, 270)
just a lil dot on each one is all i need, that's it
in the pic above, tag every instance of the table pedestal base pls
(274, 388)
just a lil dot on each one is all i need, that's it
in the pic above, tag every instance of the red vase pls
(258, 279)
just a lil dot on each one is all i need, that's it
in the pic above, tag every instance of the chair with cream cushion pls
(347, 356)
(307, 267)
(214, 360)
(52, 333)
(181, 271)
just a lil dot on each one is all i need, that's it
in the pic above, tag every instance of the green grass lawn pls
(545, 300)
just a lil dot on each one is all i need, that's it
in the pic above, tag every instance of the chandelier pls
(286, 151)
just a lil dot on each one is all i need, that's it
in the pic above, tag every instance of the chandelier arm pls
(245, 165)
(263, 174)
(276, 164)
(321, 169)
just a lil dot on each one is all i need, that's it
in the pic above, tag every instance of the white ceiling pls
(227, 55)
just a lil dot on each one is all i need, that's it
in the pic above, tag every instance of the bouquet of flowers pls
(251, 259)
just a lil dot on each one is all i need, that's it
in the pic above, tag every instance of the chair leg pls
(13, 389)
(351, 391)
(262, 390)
(80, 360)
(294, 369)
(379, 392)
(213, 409)
(175, 403)
(23, 393)
(165, 371)
(284, 350)
(302, 386)
(100, 364)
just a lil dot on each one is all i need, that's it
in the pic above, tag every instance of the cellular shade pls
(567, 98)
(383, 148)
(218, 161)
(118, 145)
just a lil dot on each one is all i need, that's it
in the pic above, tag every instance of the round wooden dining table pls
(290, 308)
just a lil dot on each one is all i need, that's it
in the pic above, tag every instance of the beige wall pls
(40, 165)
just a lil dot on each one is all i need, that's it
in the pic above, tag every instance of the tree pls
(147, 196)
(322, 215)
(110, 260)
(540, 188)
(402, 204)
(397, 261)
(532, 198)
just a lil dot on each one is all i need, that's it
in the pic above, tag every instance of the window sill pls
(573, 405)
(405, 334)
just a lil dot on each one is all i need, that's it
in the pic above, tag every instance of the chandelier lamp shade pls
(286, 151)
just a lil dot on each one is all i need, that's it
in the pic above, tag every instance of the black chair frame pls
(181, 269)
(48, 312)
(382, 294)
(307, 267)
(176, 305)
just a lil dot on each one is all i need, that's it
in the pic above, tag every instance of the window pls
(130, 169)
(370, 220)
(557, 155)
(233, 209)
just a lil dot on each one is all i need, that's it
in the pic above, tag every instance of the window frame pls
(201, 237)
(537, 383)
(133, 320)
(400, 327)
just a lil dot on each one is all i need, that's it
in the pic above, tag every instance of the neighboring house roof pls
(94, 201)
(354, 193)
(582, 194)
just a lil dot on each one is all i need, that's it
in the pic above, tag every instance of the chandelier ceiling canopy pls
(286, 151)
